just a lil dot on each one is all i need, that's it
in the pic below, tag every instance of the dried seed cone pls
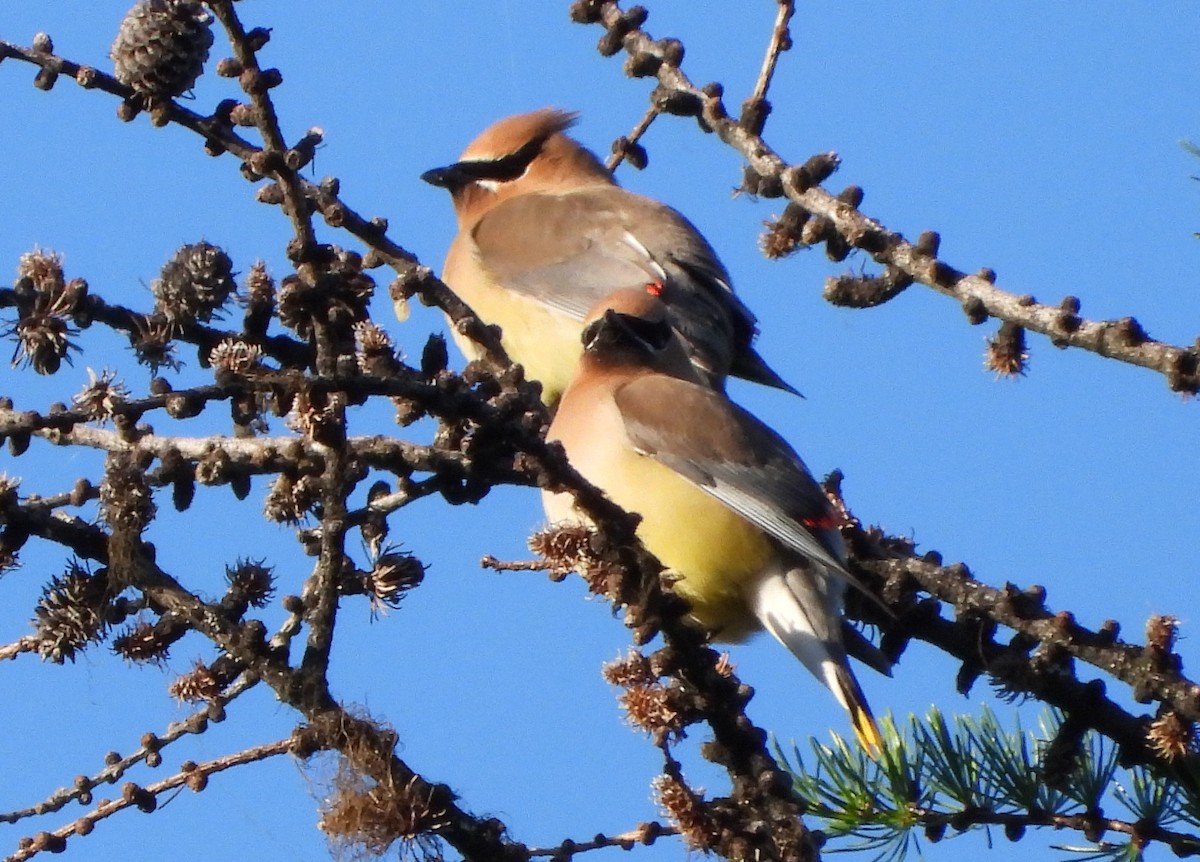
(161, 47)
(195, 283)
(70, 614)
(199, 685)
(45, 299)
(393, 575)
(252, 581)
(140, 643)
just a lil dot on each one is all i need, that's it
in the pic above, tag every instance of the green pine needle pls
(943, 777)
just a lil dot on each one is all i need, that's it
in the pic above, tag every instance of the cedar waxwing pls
(545, 233)
(727, 506)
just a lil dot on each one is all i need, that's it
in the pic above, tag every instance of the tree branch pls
(841, 226)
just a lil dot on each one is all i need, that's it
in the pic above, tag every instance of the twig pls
(145, 797)
(409, 490)
(843, 226)
(756, 108)
(490, 562)
(629, 146)
(214, 129)
(254, 454)
(413, 277)
(971, 638)
(645, 833)
(322, 589)
(274, 159)
(1142, 832)
(151, 744)
(29, 643)
(287, 350)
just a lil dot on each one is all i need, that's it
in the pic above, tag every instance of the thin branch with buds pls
(194, 776)
(836, 220)
(645, 833)
(756, 108)
(84, 785)
(628, 147)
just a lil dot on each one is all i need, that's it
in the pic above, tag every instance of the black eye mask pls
(504, 169)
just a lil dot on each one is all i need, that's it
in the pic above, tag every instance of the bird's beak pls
(610, 328)
(591, 332)
(450, 177)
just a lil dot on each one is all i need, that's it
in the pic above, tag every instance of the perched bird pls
(726, 504)
(545, 233)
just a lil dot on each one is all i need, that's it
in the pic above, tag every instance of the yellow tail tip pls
(866, 731)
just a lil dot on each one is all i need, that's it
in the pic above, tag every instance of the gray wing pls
(571, 250)
(731, 455)
(567, 251)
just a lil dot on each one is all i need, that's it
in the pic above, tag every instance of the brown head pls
(517, 155)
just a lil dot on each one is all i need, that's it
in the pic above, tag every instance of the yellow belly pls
(546, 342)
(714, 553)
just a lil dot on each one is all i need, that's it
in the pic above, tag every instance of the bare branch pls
(29, 643)
(277, 159)
(756, 109)
(152, 744)
(645, 833)
(490, 562)
(628, 147)
(146, 798)
(842, 226)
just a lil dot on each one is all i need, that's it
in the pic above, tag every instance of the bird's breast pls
(545, 341)
(713, 552)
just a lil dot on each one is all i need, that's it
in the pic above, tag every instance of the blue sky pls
(1040, 140)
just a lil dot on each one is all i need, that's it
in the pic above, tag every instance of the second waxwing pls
(748, 537)
(545, 233)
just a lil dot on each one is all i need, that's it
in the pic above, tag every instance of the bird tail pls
(802, 610)
(865, 728)
(750, 366)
